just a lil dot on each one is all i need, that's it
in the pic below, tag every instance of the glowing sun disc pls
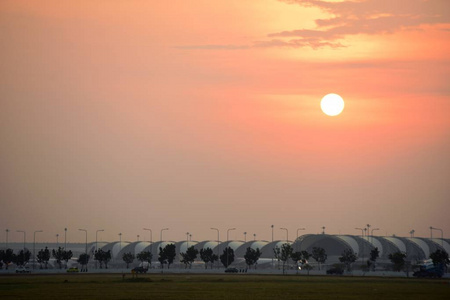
(332, 104)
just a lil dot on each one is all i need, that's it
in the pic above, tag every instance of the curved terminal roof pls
(334, 245)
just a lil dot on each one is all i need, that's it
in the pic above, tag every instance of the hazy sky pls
(120, 115)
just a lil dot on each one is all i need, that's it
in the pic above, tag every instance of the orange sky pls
(120, 115)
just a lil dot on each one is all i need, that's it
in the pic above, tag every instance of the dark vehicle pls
(231, 270)
(140, 270)
(335, 271)
(428, 270)
(73, 270)
(23, 270)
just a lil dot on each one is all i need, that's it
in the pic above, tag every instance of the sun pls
(332, 104)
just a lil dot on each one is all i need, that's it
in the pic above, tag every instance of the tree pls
(83, 260)
(296, 258)
(58, 255)
(103, 257)
(145, 256)
(22, 258)
(398, 259)
(67, 255)
(167, 255)
(128, 258)
(319, 255)
(189, 256)
(170, 252)
(440, 257)
(307, 267)
(374, 254)
(207, 255)
(227, 257)
(347, 258)
(277, 255)
(251, 257)
(162, 257)
(43, 256)
(7, 257)
(285, 254)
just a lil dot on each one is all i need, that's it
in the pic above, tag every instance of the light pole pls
(245, 236)
(323, 229)
(96, 240)
(442, 234)
(287, 234)
(187, 240)
(272, 243)
(34, 247)
(57, 240)
(24, 237)
(138, 237)
(151, 239)
(374, 229)
(85, 231)
(254, 237)
(362, 236)
(7, 231)
(412, 233)
(298, 229)
(161, 234)
(151, 234)
(65, 238)
(190, 237)
(228, 243)
(120, 242)
(218, 240)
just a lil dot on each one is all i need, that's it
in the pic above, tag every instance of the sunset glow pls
(196, 114)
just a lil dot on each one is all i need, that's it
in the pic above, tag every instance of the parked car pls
(335, 271)
(231, 270)
(22, 270)
(73, 270)
(139, 270)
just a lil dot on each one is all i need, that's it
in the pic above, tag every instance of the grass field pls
(226, 286)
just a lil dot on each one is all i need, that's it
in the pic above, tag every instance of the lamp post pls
(245, 236)
(362, 236)
(65, 238)
(57, 240)
(298, 229)
(228, 243)
(151, 239)
(218, 240)
(254, 237)
(85, 231)
(96, 240)
(272, 243)
(7, 231)
(24, 237)
(442, 234)
(138, 237)
(374, 229)
(161, 234)
(151, 234)
(34, 247)
(187, 240)
(323, 229)
(412, 233)
(120, 242)
(190, 237)
(287, 234)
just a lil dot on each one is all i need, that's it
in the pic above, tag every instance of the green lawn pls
(226, 286)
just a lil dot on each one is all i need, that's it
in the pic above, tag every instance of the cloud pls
(369, 17)
(347, 18)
